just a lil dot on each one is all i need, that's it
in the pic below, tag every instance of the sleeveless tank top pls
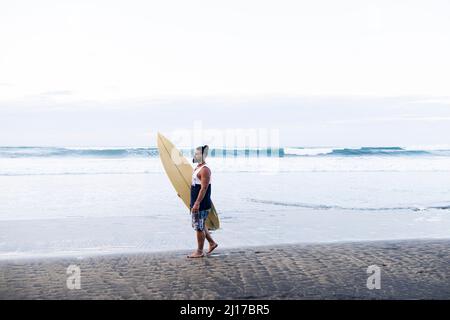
(205, 204)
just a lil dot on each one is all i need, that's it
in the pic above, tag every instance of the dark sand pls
(409, 270)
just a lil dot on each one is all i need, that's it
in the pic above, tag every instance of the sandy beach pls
(413, 269)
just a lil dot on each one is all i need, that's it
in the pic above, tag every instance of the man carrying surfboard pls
(201, 201)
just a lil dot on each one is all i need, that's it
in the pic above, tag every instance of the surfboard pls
(179, 170)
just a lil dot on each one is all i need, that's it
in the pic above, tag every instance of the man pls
(201, 201)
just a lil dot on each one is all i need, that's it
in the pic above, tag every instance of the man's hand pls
(196, 207)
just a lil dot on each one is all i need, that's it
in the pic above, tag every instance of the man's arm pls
(205, 177)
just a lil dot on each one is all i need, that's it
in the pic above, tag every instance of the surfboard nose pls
(160, 136)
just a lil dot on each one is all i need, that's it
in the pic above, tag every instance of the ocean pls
(84, 201)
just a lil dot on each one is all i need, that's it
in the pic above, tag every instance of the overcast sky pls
(322, 72)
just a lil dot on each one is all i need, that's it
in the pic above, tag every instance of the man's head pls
(200, 154)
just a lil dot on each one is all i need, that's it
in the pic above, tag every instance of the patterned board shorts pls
(198, 220)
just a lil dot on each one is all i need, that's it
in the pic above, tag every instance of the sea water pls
(83, 201)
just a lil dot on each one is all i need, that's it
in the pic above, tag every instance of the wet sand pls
(410, 269)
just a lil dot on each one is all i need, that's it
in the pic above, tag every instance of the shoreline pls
(86, 254)
(410, 269)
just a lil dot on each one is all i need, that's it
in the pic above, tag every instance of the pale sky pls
(108, 57)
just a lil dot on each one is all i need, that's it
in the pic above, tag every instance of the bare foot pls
(196, 254)
(211, 248)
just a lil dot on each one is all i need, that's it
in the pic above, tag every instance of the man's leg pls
(212, 243)
(200, 243)
(200, 240)
(208, 236)
(198, 225)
